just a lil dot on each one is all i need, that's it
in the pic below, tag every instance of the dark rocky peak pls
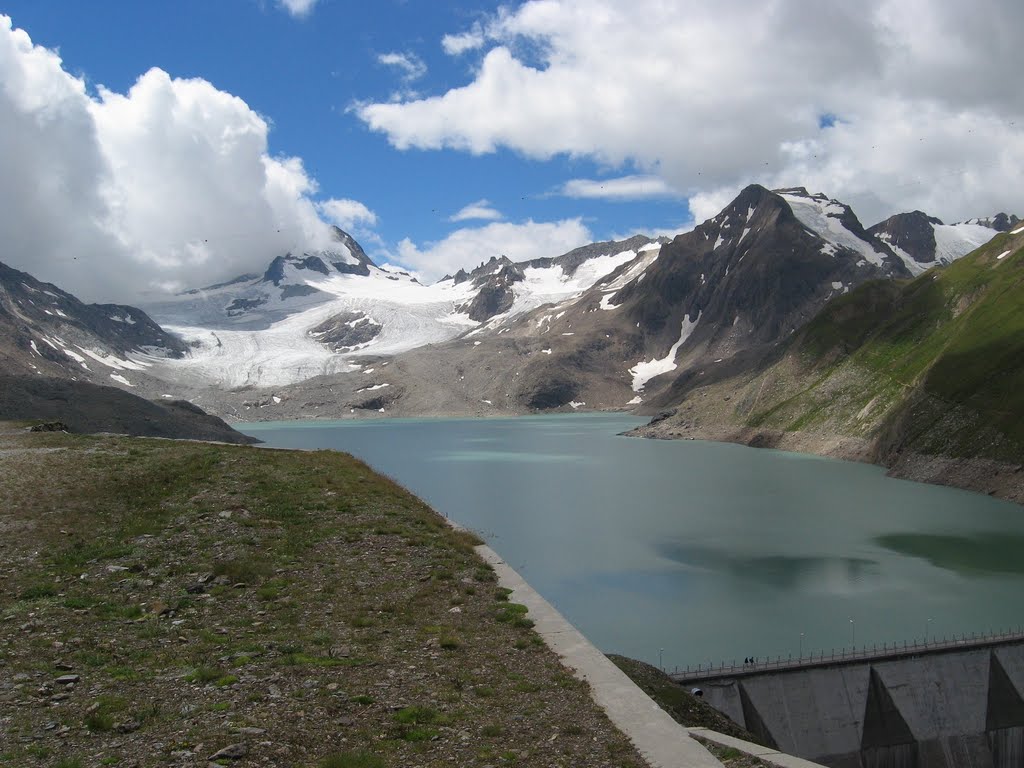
(754, 210)
(499, 271)
(314, 263)
(353, 246)
(495, 294)
(492, 266)
(342, 262)
(275, 272)
(461, 276)
(913, 233)
(42, 309)
(1001, 222)
(347, 259)
(752, 274)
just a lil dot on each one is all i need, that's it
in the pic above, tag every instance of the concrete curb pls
(661, 741)
(767, 754)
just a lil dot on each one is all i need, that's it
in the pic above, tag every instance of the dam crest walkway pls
(872, 653)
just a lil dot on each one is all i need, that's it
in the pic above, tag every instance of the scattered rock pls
(50, 426)
(128, 726)
(67, 679)
(231, 752)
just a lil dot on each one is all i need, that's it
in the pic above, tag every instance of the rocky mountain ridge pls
(46, 331)
(724, 293)
(923, 377)
(606, 326)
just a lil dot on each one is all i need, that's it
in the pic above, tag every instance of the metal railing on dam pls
(885, 652)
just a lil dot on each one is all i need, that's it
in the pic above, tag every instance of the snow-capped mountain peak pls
(922, 241)
(320, 312)
(839, 226)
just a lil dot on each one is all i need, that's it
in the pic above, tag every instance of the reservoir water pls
(693, 552)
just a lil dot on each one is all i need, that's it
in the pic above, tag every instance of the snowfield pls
(821, 216)
(271, 343)
(410, 314)
(955, 240)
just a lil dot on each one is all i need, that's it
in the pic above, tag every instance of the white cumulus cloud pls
(297, 8)
(471, 246)
(167, 186)
(458, 44)
(636, 187)
(347, 214)
(410, 65)
(900, 103)
(481, 209)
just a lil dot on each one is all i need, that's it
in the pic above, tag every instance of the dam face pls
(948, 709)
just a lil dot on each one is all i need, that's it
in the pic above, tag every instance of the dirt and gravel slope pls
(177, 603)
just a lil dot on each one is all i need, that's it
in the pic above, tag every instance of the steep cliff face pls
(752, 275)
(925, 377)
(44, 329)
(913, 233)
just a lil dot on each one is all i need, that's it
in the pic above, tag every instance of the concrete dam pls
(949, 705)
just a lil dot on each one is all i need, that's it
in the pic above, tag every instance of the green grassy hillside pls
(934, 365)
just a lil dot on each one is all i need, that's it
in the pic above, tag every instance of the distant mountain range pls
(639, 323)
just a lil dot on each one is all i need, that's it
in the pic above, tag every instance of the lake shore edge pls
(1000, 480)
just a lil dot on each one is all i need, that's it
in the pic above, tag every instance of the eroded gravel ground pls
(172, 603)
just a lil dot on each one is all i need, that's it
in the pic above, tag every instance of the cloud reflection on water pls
(802, 573)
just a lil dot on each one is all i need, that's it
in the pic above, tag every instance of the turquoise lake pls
(693, 552)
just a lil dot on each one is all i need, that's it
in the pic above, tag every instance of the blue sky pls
(305, 73)
(570, 119)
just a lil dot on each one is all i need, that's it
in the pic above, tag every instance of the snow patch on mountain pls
(643, 372)
(822, 216)
(955, 240)
(915, 266)
(548, 285)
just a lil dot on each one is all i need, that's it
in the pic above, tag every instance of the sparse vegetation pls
(215, 595)
(353, 760)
